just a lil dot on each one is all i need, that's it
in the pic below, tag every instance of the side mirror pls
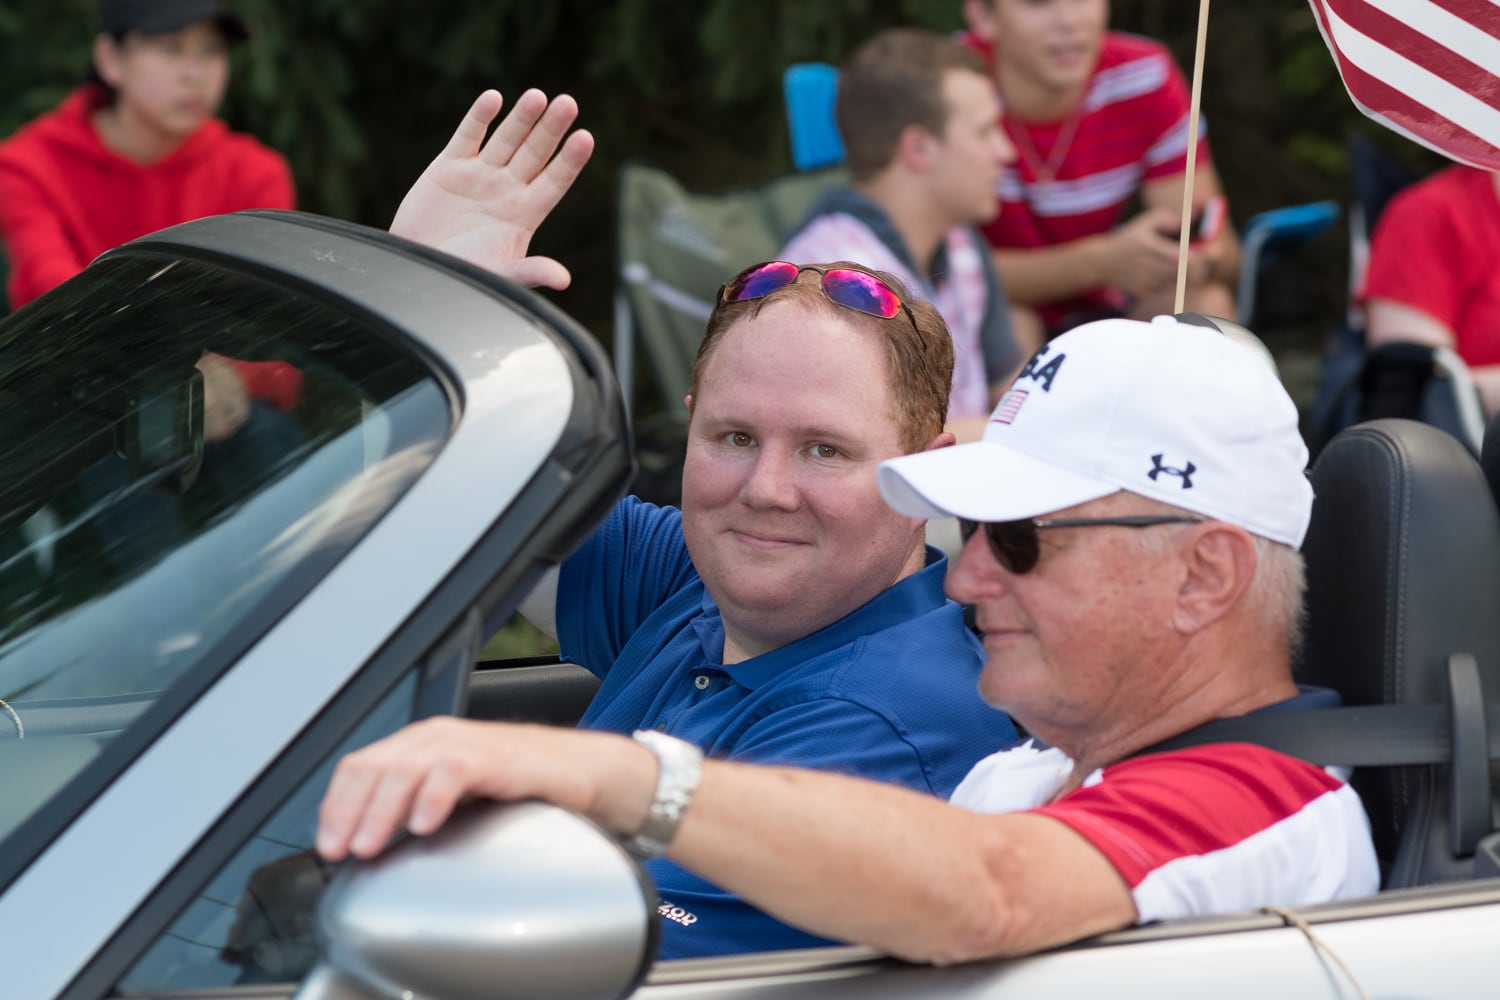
(505, 901)
(161, 435)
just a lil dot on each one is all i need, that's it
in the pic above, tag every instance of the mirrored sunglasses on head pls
(849, 287)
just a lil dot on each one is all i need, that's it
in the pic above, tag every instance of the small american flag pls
(1009, 406)
(1428, 69)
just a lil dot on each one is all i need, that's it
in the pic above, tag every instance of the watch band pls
(680, 766)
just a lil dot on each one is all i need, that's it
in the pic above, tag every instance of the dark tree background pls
(361, 93)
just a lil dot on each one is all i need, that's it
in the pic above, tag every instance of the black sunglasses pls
(1017, 544)
(849, 287)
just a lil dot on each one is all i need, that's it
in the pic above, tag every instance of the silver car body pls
(81, 911)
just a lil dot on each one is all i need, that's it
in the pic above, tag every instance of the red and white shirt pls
(1206, 829)
(1132, 127)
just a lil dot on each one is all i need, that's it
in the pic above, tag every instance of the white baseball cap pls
(1179, 413)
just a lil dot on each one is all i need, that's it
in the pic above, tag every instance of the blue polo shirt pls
(887, 692)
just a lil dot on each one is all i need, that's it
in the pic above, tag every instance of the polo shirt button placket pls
(701, 682)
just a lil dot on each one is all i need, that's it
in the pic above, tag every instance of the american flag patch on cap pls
(1009, 406)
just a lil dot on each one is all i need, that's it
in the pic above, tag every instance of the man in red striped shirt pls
(1097, 118)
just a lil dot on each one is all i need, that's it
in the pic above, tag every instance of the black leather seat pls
(1403, 564)
(1489, 456)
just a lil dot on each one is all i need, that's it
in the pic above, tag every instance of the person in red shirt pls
(1432, 275)
(1098, 118)
(137, 149)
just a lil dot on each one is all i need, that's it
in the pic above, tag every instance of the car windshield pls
(184, 452)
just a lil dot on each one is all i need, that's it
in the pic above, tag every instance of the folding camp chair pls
(676, 248)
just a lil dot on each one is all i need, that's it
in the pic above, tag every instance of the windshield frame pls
(573, 462)
(23, 843)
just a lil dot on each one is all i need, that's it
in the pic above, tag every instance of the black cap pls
(161, 17)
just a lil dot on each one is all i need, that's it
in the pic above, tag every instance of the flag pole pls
(1192, 160)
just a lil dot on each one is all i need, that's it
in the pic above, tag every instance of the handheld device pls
(1209, 220)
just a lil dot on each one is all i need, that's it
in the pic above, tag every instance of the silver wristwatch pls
(681, 764)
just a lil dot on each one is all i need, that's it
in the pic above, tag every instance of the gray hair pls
(1275, 595)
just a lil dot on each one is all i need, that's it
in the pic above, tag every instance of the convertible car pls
(270, 480)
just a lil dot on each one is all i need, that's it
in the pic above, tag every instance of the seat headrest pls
(1403, 565)
(1403, 570)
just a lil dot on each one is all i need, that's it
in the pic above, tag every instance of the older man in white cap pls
(1136, 505)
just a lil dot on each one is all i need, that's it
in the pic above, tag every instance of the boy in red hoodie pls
(135, 150)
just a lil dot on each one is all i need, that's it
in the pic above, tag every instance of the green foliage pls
(360, 94)
(42, 54)
(517, 637)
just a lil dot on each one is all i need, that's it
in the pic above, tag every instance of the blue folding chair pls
(811, 90)
(1270, 235)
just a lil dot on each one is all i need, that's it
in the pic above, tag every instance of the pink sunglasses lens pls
(860, 291)
(761, 281)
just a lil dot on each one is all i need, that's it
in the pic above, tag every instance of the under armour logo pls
(1043, 373)
(1185, 473)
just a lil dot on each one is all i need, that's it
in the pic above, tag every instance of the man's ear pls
(1219, 565)
(106, 53)
(979, 15)
(943, 440)
(688, 400)
(915, 148)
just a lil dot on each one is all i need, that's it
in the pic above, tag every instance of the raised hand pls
(226, 401)
(483, 200)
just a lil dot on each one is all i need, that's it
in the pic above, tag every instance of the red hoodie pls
(65, 198)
